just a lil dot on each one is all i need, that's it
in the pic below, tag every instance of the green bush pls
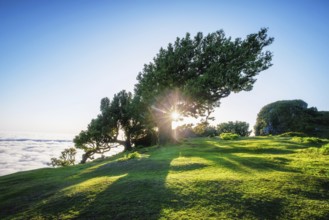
(293, 134)
(228, 136)
(324, 149)
(67, 158)
(310, 150)
(134, 155)
(292, 115)
(203, 129)
(308, 140)
(239, 127)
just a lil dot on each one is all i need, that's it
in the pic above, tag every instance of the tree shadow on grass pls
(34, 189)
(249, 149)
(139, 194)
(143, 194)
(249, 164)
(224, 199)
(259, 164)
(140, 190)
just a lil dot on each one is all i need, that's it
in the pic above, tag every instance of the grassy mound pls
(202, 178)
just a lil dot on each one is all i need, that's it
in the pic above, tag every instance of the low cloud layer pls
(21, 154)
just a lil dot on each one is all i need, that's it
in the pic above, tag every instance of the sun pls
(175, 115)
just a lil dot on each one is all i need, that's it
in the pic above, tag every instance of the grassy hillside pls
(252, 178)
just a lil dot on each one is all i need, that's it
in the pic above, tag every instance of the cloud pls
(19, 154)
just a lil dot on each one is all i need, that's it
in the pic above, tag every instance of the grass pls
(201, 178)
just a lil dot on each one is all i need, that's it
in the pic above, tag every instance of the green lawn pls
(201, 178)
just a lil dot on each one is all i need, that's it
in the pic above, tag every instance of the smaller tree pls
(122, 113)
(238, 127)
(67, 158)
(203, 129)
(127, 110)
(100, 136)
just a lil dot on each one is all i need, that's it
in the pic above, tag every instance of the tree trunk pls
(85, 157)
(165, 129)
(127, 144)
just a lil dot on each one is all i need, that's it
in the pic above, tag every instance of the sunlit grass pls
(97, 184)
(201, 178)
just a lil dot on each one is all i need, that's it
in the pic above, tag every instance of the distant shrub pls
(293, 134)
(203, 129)
(130, 156)
(324, 149)
(67, 158)
(309, 140)
(133, 155)
(238, 127)
(310, 150)
(228, 136)
(210, 132)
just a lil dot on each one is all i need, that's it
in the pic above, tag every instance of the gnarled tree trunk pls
(166, 135)
(85, 156)
(127, 143)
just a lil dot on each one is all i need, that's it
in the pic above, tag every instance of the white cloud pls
(21, 155)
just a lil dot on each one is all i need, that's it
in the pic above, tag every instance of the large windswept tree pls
(192, 75)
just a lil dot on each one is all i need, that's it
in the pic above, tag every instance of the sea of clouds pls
(28, 151)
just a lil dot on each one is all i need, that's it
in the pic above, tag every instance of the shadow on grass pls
(227, 201)
(140, 190)
(143, 192)
(241, 159)
(250, 150)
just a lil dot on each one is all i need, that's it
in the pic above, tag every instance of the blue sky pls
(59, 58)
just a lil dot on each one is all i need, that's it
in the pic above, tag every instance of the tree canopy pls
(189, 77)
(291, 116)
(122, 113)
(238, 127)
(193, 74)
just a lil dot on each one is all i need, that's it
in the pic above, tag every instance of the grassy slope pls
(253, 178)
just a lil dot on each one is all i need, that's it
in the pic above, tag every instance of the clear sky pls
(59, 58)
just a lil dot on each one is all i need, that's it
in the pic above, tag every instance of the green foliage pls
(127, 112)
(324, 149)
(192, 75)
(123, 112)
(293, 134)
(185, 131)
(309, 140)
(229, 136)
(239, 127)
(292, 116)
(133, 155)
(100, 137)
(203, 178)
(145, 138)
(203, 129)
(311, 151)
(67, 158)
